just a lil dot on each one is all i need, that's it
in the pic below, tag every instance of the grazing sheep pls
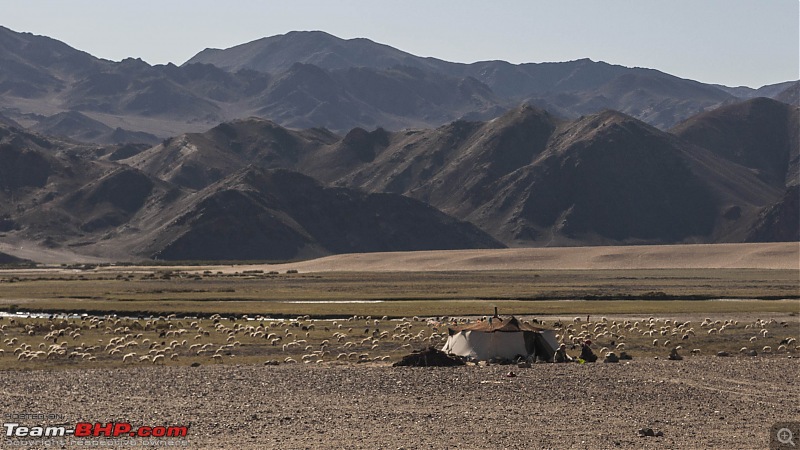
(695, 351)
(767, 349)
(158, 359)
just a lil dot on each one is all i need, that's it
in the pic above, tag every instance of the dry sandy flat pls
(700, 402)
(774, 255)
(781, 255)
(35, 252)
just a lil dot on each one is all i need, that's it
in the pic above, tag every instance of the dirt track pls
(703, 402)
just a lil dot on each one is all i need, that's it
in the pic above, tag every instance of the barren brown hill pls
(307, 96)
(59, 200)
(527, 178)
(280, 215)
(761, 134)
(77, 126)
(9, 122)
(196, 160)
(59, 195)
(779, 221)
(531, 179)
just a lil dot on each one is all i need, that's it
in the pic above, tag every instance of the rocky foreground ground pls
(704, 402)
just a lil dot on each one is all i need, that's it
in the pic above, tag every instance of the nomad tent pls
(498, 338)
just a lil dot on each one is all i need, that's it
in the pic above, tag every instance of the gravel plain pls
(703, 402)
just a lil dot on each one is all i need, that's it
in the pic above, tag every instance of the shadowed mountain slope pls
(761, 134)
(527, 177)
(605, 178)
(278, 214)
(779, 222)
(196, 160)
(59, 195)
(77, 126)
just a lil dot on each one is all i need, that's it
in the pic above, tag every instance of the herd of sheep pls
(110, 340)
(720, 336)
(113, 340)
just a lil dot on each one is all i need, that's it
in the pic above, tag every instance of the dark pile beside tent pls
(429, 357)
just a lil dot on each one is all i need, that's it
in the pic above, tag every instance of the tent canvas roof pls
(498, 324)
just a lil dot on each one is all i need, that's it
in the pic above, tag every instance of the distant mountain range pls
(313, 79)
(358, 147)
(57, 195)
(251, 189)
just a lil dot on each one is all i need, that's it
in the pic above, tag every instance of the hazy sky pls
(732, 42)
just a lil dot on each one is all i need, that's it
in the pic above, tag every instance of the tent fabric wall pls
(549, 337)
(501, 339)
(478, 345)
